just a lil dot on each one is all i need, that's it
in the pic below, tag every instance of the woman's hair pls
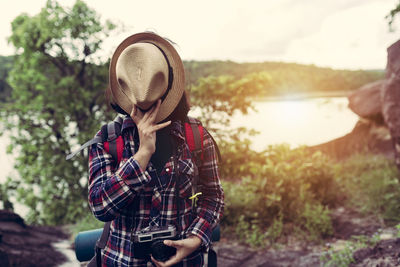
(181, 110)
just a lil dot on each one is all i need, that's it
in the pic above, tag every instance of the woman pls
(152, 185)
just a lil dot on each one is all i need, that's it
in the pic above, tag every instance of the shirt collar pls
(177, 129)
(127, 122)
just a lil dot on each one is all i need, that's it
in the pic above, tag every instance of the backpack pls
(113, 144)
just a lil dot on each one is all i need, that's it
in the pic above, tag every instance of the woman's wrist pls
(142, 156)
(195, 239)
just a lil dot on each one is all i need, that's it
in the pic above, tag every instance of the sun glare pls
(292, 113)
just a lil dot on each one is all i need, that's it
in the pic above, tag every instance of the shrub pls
(317, 221)
(371, 185)
(292, 186)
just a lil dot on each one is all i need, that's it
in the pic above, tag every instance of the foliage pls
(56, 103)
(286, 191)
(398, 230)
(286, 78)
(5, 89)
(316, 221)
(289, 187)
(371, 184)
(219, 97)
(392, 15)
(340, 258)
(344, 257)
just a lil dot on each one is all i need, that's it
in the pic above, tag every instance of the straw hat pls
(144, 68)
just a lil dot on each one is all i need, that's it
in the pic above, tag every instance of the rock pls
(24, 245)
(393, 63)
(9, 216)
(391, 97)
(366, 136)
(232, 255)
(366, 101)
(385, 253)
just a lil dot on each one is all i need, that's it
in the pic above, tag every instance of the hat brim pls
(178, 84)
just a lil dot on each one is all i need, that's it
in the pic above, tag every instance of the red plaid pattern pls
(133, 198)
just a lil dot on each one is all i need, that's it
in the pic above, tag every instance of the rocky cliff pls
(378, 105)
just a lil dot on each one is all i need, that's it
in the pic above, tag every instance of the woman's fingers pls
(160, 126)
(136, 115)
(154, 111)
(150, 115)
(175, 244)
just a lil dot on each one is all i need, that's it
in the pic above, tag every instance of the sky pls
(349, 34)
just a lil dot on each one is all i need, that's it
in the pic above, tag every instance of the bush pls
(371, 185)
(291, 187)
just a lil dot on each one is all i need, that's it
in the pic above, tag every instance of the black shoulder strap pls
(95, 140)
(102, 242)
(110, 133)
(196, 153)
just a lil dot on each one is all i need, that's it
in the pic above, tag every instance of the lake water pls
(309, 121)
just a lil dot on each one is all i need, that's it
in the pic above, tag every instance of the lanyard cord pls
(177, 183)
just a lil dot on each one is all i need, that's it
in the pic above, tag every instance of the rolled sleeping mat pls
(85, 242)
(216, 234)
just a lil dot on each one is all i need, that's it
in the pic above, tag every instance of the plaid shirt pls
(134, 198)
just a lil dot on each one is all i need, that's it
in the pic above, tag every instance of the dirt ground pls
(346, 224)
(23, 245)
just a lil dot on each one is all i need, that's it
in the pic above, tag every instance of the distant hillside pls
(286, 78)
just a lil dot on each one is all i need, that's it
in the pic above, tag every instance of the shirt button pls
(150, 168)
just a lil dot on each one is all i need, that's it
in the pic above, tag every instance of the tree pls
(217, 98)
(392, 14)
(58, 80)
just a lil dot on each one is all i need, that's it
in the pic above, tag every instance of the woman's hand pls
(147, 132)
(183, 247)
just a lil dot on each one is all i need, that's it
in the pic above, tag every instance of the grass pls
(293, 193)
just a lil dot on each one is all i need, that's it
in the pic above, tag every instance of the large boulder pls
(391, 97)
(23, 245)
(367, 136)
(366, 101)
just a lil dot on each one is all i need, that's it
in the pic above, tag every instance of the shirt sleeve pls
(210, 205)
(111, 190)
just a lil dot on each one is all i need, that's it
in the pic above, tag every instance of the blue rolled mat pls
(85, 243)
